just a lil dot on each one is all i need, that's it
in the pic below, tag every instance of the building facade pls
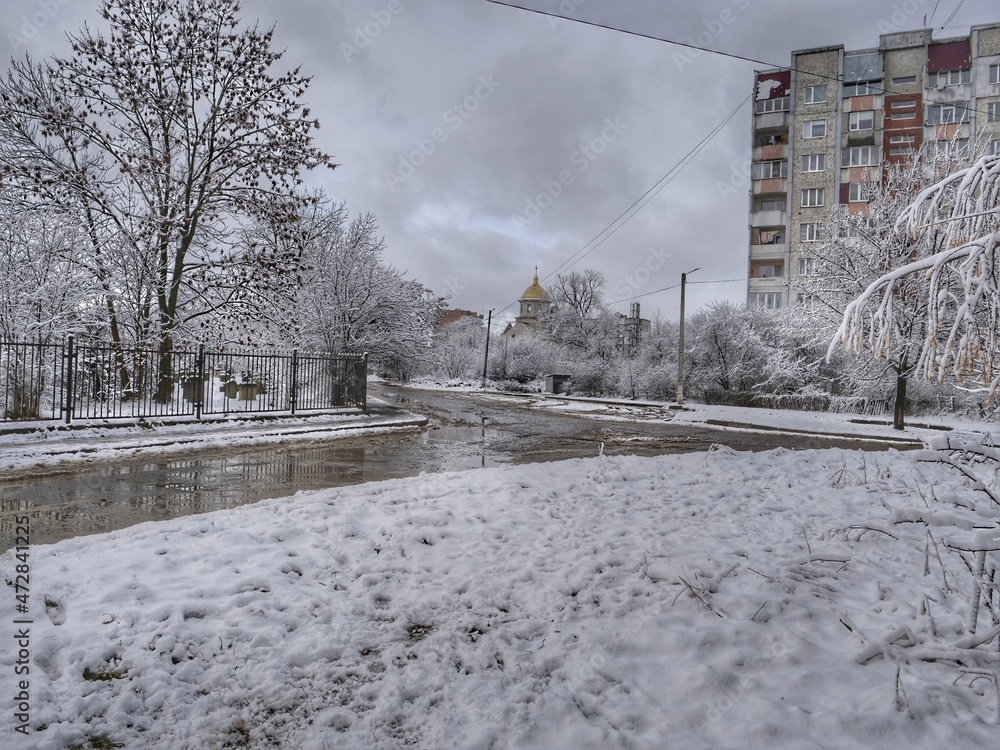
(831, 122)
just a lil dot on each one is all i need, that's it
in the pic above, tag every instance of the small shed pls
(557, 383)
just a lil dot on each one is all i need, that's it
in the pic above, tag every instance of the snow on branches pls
(958, 217)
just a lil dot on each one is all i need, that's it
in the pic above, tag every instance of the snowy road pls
(466, 431)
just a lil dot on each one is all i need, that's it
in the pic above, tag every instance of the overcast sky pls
(488, 140)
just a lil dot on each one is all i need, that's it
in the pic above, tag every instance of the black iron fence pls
(74, 380)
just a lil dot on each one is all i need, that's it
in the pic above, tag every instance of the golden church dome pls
(535, 291)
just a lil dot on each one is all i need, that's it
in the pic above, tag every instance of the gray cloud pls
(496, 110)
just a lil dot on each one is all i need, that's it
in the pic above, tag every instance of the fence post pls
(294, 387)
(200, 375)
(68, 380)
(364, 383)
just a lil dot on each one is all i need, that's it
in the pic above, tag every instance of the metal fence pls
(73, 380)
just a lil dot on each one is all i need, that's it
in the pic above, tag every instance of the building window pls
(859, 192)
(769, 170)
(995, 74)
(903, 109)
(771, 271)
(771, 105)
(807, 266)
(904, 79)
(860, 156)
(771, 237)
(943, 114)
(774, 204)
(810, 233)
(862, 120)
(862, 89)
(954, 148)
(993, 148)
(949, 78)
(812, 197)
(897, 139)
(993, 112)
(814, 129)
(813, 162)
(770, 300)
(815, 94)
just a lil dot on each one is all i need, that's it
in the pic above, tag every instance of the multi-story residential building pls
(827, 126)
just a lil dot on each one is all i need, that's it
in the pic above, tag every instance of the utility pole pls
(680, 345)
(486, 359)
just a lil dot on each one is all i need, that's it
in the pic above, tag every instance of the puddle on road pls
(100, 499)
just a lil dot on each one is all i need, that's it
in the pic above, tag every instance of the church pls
(534, 303)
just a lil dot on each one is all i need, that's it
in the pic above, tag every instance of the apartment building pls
(830, 123)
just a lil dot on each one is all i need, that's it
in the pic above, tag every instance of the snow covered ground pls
(711, 600)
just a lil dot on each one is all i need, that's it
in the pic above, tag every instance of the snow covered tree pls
(350, 300)
(739, 353)
(165, 136)
(578, 300)
(956, 221)
(861, 247)
(458, 349)
(45, 292)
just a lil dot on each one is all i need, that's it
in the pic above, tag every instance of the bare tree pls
(578, 300)
(165, 135)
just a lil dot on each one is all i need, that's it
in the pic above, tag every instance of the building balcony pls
(770, 186)
(775, 251)
(773, 284)
(771, 153)
(772, 121)
(768, 218)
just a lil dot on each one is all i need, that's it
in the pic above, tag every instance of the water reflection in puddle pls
(112, 497)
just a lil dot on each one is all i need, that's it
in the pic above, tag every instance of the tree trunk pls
(165, 380)
(899, 407)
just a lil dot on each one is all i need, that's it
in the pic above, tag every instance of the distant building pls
(633, 327)
(448, 317)
(534, 303)
(827, 125)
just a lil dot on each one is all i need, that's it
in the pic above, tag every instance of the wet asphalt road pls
(465, 431)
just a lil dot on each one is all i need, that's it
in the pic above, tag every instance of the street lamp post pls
(680, 345)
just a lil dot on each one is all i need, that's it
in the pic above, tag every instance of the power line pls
(688, 45)
(644, 199)
(648, 195)
(933, 12)
(675, 286)
(957, 8)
